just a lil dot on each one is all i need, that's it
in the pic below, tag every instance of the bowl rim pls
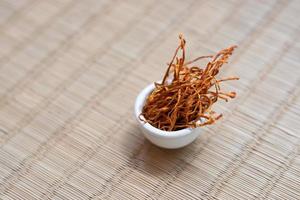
(139, 103)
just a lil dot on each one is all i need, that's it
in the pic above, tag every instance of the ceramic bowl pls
(165, 139)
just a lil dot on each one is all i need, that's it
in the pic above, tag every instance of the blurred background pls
(69, 74)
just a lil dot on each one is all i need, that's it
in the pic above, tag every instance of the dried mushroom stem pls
(186, 101)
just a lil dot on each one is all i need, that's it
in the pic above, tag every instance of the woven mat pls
(69, 74)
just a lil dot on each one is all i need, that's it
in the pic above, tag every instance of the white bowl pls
(165, 139)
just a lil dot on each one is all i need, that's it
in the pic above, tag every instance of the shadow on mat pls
(148, 158)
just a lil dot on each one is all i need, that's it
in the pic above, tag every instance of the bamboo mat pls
(69, 74)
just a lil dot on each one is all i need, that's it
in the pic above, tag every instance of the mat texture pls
(69, 74)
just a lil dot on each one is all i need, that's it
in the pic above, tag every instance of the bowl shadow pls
(151, 159)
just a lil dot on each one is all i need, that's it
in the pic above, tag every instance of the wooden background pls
(69, 74)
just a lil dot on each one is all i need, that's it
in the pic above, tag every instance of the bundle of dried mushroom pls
(186, 94)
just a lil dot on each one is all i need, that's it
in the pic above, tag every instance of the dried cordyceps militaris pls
(185, 101)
